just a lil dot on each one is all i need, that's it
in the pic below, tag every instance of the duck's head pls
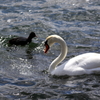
(32, 35)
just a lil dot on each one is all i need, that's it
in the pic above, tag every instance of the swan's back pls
(85, 61)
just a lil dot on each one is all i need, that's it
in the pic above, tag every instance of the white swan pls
(87, 63)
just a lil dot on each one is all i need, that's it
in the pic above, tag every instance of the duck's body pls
(87, 63)
(22, 40)
(18, 41)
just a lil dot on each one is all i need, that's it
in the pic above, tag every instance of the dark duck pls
(22, 40)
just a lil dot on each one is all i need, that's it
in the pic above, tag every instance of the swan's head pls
(50, 40)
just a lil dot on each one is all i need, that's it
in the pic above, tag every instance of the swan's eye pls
(46, 42)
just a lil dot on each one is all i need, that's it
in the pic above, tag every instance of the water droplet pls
(9, 20)
(30, 10)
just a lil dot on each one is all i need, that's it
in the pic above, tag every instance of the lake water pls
(23, 69)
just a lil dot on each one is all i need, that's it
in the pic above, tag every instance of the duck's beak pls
(35, 35)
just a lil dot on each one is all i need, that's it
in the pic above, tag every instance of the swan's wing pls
(85, 61)
(83, 64)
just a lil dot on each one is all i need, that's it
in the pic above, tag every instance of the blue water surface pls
(23, 69)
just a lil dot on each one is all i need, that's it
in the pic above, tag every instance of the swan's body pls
(87, 63)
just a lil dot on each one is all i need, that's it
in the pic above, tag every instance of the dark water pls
(23, 70)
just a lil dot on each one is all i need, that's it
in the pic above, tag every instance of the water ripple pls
(23, 69)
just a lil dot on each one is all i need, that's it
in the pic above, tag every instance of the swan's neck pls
(61, 57)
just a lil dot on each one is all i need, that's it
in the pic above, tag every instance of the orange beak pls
(46, 48)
